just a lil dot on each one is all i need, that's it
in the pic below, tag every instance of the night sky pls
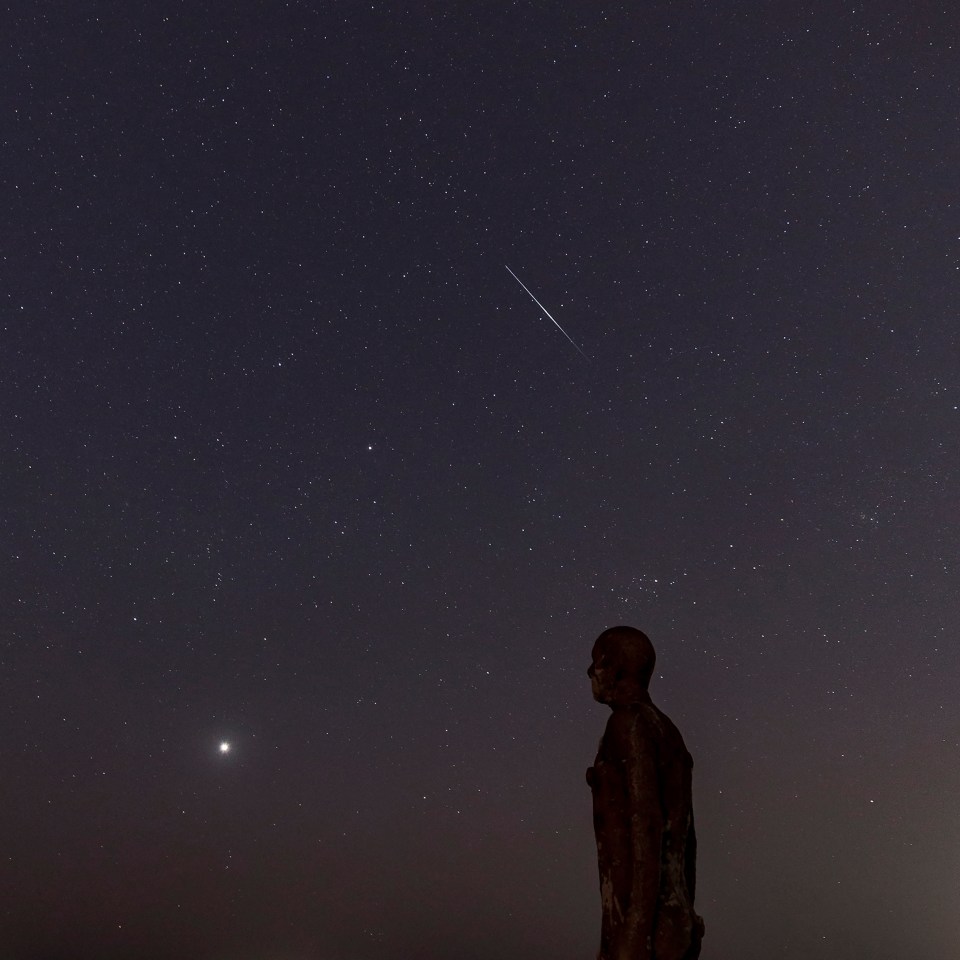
(290, 462)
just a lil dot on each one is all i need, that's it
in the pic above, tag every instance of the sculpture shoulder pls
(669, 738)
(641, 729)
(630, 731)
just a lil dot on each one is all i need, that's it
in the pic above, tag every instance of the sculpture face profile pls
(642, 812)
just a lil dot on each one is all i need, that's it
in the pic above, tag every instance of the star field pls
(311, 515)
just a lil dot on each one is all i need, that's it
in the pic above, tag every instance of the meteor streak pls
(547, 312)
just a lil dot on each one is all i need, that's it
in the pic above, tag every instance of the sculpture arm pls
(646, 837)
(690, 850)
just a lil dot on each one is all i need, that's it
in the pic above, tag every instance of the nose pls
(590, 671)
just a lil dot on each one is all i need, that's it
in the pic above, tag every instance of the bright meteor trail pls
(547, 312)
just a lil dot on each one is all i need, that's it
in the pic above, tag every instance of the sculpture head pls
(623, 661)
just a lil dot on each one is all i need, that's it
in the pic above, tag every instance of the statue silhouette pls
(642, 812)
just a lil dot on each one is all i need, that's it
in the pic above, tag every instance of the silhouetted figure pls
(642, 812)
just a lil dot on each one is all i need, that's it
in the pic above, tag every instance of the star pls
(224, 747)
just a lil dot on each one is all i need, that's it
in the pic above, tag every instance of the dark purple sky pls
(289, 460)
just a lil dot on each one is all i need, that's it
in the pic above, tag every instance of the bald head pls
(623, 661)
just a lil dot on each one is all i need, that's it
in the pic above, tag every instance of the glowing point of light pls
(224, 747)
